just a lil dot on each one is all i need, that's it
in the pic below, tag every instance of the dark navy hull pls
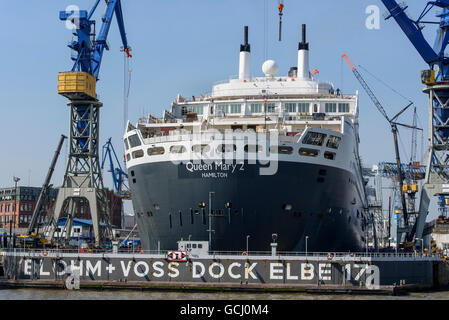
(299, 200)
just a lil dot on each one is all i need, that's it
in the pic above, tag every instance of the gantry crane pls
(394, 129)
(436, 79)
(83, 178)
(118, 175)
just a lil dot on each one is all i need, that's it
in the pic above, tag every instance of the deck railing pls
(306, 255)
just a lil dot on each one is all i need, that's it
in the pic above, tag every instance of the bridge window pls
(314, 138)
(126, 144)
(333, 142)
(134, 141)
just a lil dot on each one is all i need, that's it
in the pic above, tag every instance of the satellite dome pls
(270, 68)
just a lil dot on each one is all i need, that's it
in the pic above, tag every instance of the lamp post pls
(307, 237)
(210, 219)
(229, 206)
(16, 179)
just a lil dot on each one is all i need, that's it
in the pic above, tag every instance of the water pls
(48, 294)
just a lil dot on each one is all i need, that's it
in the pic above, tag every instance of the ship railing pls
(329, 255)
(203, 137)
(43, 252)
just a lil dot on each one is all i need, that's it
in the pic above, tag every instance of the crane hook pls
(281, 8)
(127, 50)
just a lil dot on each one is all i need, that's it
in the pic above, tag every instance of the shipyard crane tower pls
(436, 79)
(83, 178)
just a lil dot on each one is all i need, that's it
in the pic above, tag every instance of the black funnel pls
(246, 46)
(303, 45)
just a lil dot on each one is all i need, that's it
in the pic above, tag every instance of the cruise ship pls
(260, 158)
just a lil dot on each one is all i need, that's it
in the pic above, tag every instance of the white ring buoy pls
(44, 253)
(244, 253)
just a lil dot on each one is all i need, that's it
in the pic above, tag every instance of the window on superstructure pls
(314, 138)
(177, 149)
(221, 109)
(137, 154)
(201, 148)
(331, 107)
(281, 149)
(226, 148)
(256, 107)
(303, 107)
(198, 109)
(329, 155)
(126, 144)
(309, 152)
(333, 142)
(271, 107)
(252, 148)
(155, 151)
(290, 107)
(236, 108)
(134, 141)
(343, 107)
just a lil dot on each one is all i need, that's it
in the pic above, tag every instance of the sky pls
(184, 47)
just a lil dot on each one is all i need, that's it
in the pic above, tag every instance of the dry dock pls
(311, 273)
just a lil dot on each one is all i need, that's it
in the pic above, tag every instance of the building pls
(20, 216)
(82, 229)
(26, 201)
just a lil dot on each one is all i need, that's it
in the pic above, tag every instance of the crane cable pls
(127, 72)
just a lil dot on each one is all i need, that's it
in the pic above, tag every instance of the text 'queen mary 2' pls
(256, 157)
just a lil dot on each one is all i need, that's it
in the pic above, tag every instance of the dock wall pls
(223, 270)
